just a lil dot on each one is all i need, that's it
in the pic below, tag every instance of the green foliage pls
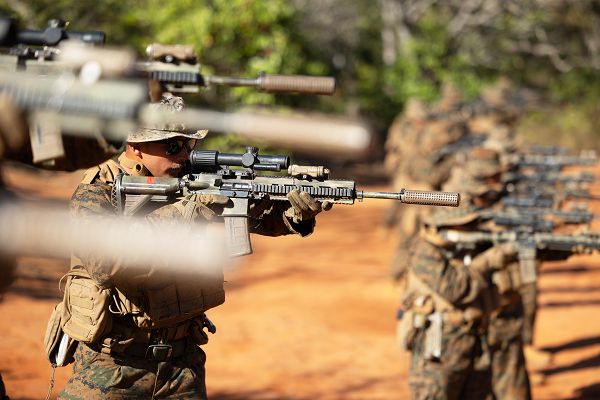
(344, 39)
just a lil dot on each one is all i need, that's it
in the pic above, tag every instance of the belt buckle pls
(159, 352)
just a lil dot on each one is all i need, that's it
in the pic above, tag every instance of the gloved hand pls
(304, 206)
(494, 258)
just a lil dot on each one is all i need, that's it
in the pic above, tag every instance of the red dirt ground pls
(312, 318)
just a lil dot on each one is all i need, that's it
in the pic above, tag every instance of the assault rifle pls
(542, 150)
(552, 162)
(176, 68)
(31, 49)
(465, 143)
(214, 176)
(114, 107)
(537, 200)
(530, 246)
(551, 177)
(540, 198)
(538, 219)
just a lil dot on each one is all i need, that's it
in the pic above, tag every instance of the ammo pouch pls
(86, 308)
(169, 304)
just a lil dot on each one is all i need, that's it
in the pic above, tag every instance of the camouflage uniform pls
(412, 140)
(145, 341)
(456, 373)
(113, 372)
(481, 353)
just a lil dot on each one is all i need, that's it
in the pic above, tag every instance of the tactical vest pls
(165, 302)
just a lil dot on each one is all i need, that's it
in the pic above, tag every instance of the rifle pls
(542, 150)
(528, 245)
(540, 219)
(551, 177)
(114, 107)
(215, 177)
(176, 68)
(465, 143)
(37, 50)
(537, 200)
(553, 162)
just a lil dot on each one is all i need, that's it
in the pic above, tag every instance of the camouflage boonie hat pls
(467, 185)
(173, 104)
(470, 178)
(483, 163)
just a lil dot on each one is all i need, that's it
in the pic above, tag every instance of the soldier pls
(140, 330)
(451, 297)
(422, 131)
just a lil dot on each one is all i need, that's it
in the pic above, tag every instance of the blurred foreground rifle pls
(244, 185)
(530, 246)
(176, 69)
(37, 50)
(113, 107)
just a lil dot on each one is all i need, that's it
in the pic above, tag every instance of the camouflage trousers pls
(459, 374)
(509, 373)
(529, 299)
(101, 376)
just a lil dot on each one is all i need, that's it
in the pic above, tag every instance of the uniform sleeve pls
(92, 201)
(267, 218)
(453, 282)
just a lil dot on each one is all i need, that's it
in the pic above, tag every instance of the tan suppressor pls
(422, 197)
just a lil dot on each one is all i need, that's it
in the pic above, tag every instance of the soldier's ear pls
(135, 149)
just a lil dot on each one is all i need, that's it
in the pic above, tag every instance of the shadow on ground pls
(590, 362)
(575, 344)
(591, 392)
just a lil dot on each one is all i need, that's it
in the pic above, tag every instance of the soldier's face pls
(166, 157)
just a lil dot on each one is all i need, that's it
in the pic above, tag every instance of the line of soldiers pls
(468, 306)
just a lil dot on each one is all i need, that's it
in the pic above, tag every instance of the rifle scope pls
(11, 35)
(250, 159)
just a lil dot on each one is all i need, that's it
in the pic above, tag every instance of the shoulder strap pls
(416, 283)
(105, 172)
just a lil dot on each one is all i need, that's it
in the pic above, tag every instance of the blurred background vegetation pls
(382, 52)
